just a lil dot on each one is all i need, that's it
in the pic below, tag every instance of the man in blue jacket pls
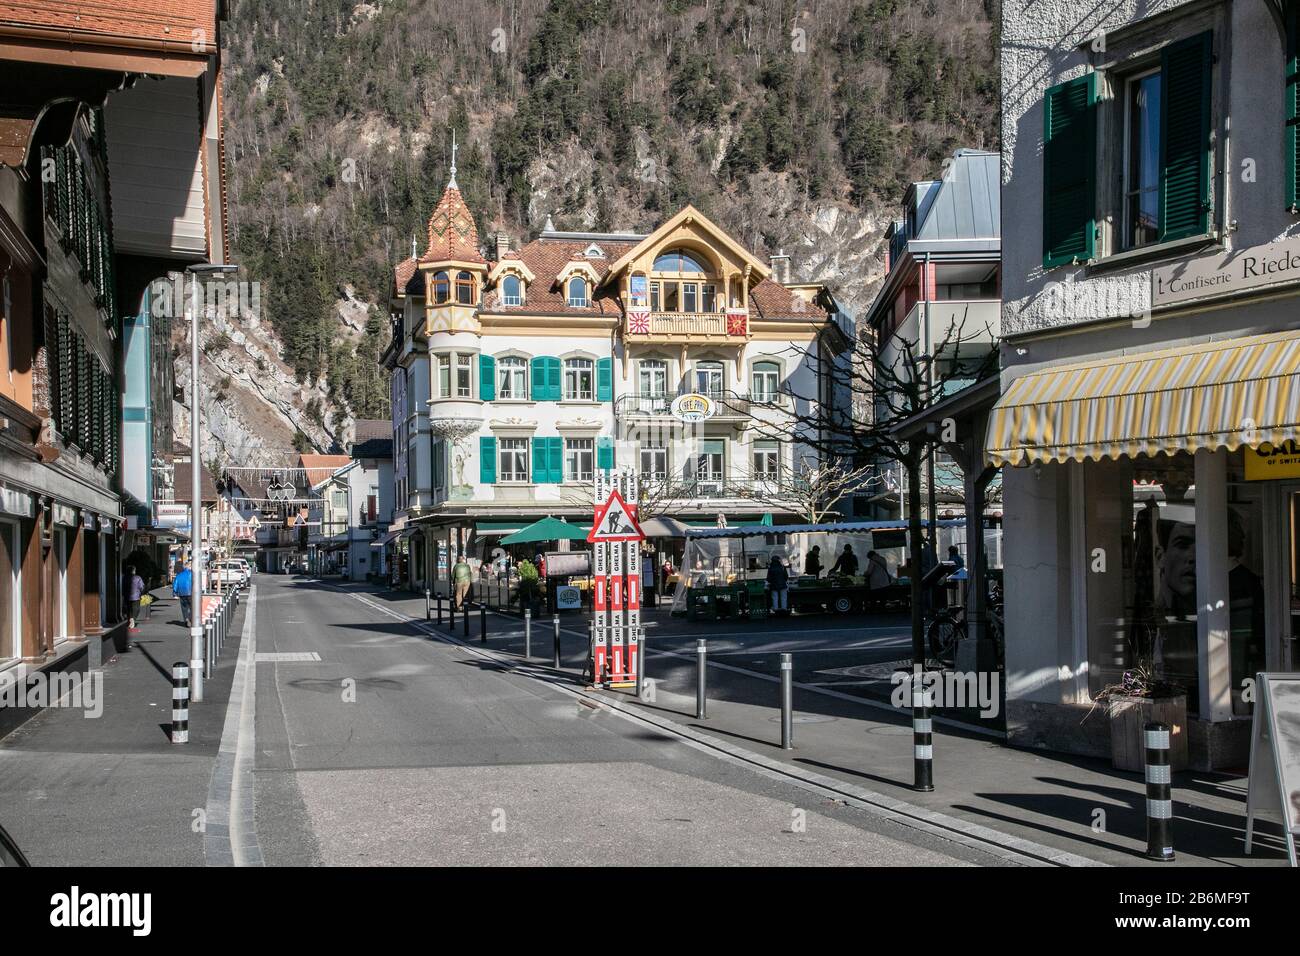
(183, 588)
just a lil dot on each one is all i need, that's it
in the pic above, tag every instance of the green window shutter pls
(1293, 106)
(604, 380)
(605, 453)
(541, 470)
(487, 377)
(1069, 171)
(487, 460)
(556, 459)
(1185, 145)
(554, 392)
(538, 385)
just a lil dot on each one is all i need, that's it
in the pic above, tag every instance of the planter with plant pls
(1140, 697)
(529, 589)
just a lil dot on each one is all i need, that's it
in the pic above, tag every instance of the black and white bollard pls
(528, 633)
(482, 623)
(922, 741)
(180, 703)
(209, 648)
(1160, 804)
(787, 702)
(428, 609)
(555, 639)
(701, 677)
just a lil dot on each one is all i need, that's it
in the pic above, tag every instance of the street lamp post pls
(198, 654)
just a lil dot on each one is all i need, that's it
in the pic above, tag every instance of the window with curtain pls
(579, 459)
(512, 377)
(765, 383)
(578, 380)
(513, 460)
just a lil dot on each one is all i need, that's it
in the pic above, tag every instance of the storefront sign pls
(89, 521)
(568, 598)
(692, 408)
(65, 515)
(14, 502)
(1227, 273)
(1268, 463)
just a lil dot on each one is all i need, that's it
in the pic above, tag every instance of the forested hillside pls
(794, 125)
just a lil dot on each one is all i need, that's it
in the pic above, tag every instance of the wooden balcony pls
(683, 327)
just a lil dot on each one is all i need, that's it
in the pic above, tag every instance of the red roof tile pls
(319, 467)
(546, 259)
(452, 233)
(166, 21)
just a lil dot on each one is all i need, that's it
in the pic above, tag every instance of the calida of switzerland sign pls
(1227, 273)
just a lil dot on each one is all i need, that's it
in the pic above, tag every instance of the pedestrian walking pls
(132, 591)
(778, 583)
(183, 590)
(955, 557)
(462, 575)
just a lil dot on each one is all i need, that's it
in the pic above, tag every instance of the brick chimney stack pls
(503, 245)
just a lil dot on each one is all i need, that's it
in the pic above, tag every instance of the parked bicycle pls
(948, 626)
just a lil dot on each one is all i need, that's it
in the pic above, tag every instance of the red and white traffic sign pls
(615, 521)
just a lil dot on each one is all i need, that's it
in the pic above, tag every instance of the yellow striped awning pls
(1243, 391)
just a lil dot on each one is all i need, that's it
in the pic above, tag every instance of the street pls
(442, 758)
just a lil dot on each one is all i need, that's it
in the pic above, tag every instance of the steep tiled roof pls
(546, 258)
(452, 233)
(772, 301)
(320, 467)
(402, 273)
(165, 21)
(373, 448)
(181, 484)
(363, 429)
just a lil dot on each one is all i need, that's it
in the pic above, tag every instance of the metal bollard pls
(528, 632)
(482, 623)
(209, 645)
(465, 623)
(428, 611)
(555, 623)
(922, 741)
(437, 610)
(787, 702)
(180, 703)
(1160, 804)
(701, 672)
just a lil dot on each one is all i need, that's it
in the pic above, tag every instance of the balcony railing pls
(726, 405)
(716, 488)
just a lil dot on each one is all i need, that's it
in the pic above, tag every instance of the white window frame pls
(507, 298)
(464, 363)
(579, 459)
(769, 451)
(654, 451)
(577, 302)
(648, 365)
(765, 395)
(514, 447)
(512, 368)
(574, 366)
(711, 366)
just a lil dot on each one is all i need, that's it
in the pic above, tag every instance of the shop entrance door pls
(1286, 655)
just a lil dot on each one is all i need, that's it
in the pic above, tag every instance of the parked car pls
(227, 574)
(248, 568)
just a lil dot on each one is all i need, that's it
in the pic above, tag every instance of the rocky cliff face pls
(252, 404)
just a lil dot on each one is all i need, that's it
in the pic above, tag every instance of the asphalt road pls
(396, 748)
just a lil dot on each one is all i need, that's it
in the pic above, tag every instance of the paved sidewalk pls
(114, 790)
(1078, 805)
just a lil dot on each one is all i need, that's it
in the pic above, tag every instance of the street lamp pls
(198, 654)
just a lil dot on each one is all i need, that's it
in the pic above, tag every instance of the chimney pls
(781, 267)
(503, 245)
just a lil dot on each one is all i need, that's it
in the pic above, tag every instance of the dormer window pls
(577, 293)
(678, 260)
(464, 288)
(594, 251)
(441, 288)
(512, 290)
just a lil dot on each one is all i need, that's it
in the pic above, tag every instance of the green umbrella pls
(547, 529)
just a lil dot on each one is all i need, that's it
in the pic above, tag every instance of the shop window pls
(10, 599)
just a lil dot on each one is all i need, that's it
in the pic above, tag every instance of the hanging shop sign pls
(692, 408)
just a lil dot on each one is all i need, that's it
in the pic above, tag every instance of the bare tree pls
(814, 486)
(867, 392)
